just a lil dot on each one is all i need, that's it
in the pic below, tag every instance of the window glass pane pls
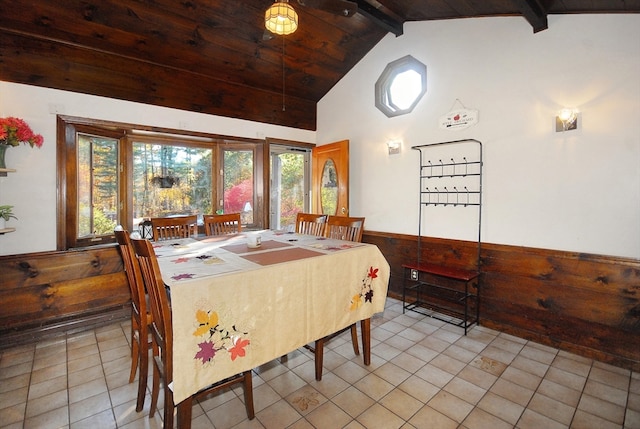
(287, 188)
(238, 184)
(170, 180)
(97, 185)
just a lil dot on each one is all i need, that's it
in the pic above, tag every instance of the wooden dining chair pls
(140, 316)
(310, 224)
(349, 229)
(162, 342)
(344, 228)
(168, 228)
(222, 224)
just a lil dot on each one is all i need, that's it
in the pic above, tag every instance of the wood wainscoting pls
(51, 293)
(582, 303)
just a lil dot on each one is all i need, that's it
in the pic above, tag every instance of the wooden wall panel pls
(38, 290)
(583, 303)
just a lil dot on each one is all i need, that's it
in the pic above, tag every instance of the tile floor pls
(424, 374)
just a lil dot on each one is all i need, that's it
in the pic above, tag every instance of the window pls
(401, 86)
(290, 177)
(121, 174)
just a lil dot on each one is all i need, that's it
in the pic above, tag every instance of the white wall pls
(32, 189)
(575, 191)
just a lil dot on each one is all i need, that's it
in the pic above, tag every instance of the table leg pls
(184, 413)
(319, 355)
(365, 325)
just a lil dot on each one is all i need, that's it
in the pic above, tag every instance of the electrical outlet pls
(414, 274)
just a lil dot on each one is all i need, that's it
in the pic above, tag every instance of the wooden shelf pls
(7, 170)
(6, 230)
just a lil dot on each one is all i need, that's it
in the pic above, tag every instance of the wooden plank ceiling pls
(214, 56)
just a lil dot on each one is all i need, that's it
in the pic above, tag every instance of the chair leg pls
(155, 389)
(354, 339)
(248, 394)
(135, 350)
(143, 375)
(319, 355)
(168, 407)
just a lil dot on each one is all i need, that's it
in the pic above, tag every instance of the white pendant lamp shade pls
(281, 18)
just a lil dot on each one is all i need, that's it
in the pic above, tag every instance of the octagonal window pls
(401, 86)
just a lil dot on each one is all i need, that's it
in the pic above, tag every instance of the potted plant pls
(6, 213)
(14, 131)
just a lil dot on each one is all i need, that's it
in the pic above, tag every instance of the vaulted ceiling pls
(215, 57)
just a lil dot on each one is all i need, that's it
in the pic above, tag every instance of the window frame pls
(383, 98)
(127, 134)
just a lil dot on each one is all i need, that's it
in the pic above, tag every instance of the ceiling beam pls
(534, 13)
(380, 18)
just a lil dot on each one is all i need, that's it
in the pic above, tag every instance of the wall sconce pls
(394, 146)
(567, 120)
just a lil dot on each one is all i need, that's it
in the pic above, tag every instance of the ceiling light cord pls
(283, 76)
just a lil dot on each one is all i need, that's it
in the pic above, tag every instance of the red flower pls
(373, 274)
(14, 131)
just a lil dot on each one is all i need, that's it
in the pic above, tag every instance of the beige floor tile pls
(88, 407)
(522, 378)
(229, 414)
(330, 385)
(82, 352)
(448, 364)
(14, 397)
(286, 383)
(498, 354)
(47, 403)
(15, 370)
(49, 373)
(565, 378)
(434, 375)
(419, 388)
(306, 399)
(513, 392)
(374, 386)
(531, 351)
(480, 419)
(380, 417)
(599, 407)
(103, 420)
(632, 419)
(565, 363)
(279, 414)
(532, 420)
(464, 390)
(488, 364)
(529, 365)
(54, 419)
(392, 373)
(85, 390)
(14, 383)
(455, 351)
(606, 392)
(400, 403)
(427, 417)
(477, 376)
(584, 420)
(353, 401)
(47, 387)
(450, 405)
(501, 407)
(559, 393)
(83, 363)
(551, 408)
(329, 416)
(610, 378)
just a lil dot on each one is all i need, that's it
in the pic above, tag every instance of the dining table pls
(240, 301)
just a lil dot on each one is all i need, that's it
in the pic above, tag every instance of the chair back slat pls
(223, 224)
(134, 275)
(169, 228)
(310, 224)
(345, 228)
(161, 328)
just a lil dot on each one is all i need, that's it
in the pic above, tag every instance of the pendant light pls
(281, 18)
